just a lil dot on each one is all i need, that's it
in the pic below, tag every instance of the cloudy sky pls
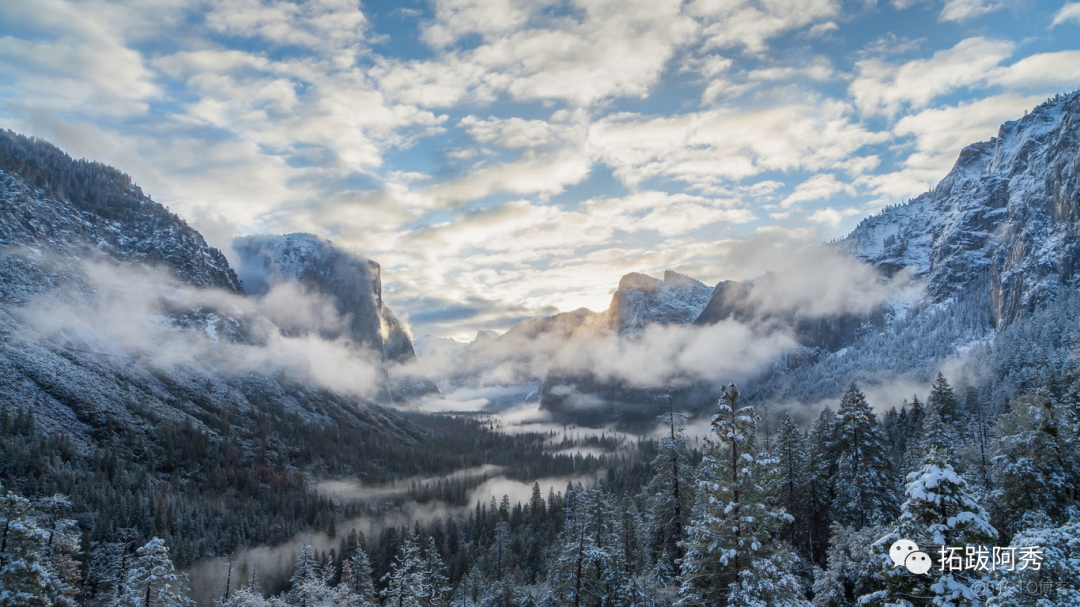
(509, 158)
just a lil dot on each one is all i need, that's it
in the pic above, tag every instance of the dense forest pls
(748, 516)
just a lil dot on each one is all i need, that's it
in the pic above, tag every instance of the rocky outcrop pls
(642, 300)
(352, 283)
(1005, 219)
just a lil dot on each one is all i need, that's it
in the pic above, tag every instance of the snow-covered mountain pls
(352, 283)
(642, 300)
(990, 255)
(116, 317)
(1008, 211)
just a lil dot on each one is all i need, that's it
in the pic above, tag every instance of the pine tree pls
(436, 586)
(1057, 575)
(28, 577)
(731, 550)
(792, 470)
(1036, 465)
(152, 581)
(940, 511)
(864, 484)
(824, 454)
(944, 400)
(359, 577)
(405, 580)
(853, 569)
(670, 494)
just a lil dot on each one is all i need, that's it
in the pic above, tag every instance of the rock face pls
(1005, 220)
(732, 300)
(351, 282)
(642, 300)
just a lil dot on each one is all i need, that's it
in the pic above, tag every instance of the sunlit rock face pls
(352, 283)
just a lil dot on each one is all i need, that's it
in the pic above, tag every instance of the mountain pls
(983, 270)
(133, 367)
(352, 283)
(994, 249)
(1008, 211)
(642, 300)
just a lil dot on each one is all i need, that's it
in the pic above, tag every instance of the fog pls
(274, 564)
(144, 314)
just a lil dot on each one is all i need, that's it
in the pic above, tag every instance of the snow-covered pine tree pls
(1036, 464)
(732, 550)
(405, 580)
(245, 596)
(359, 577)
(28, 577)
(853, 570)
(792, 458)
(670, 496)
(940, 511)
(944, 400)
(1058, 576)
(436, 585)
(151, 579)
(865, 488)
(938, 434)
(585, 548)
(824, 453)
(306, 574)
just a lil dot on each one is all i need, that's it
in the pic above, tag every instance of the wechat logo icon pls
(907, 554)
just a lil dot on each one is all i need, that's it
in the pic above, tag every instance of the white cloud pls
(602, 49)
(329, 26)
(885, 88)
(70, 58)
(1069, 12)
(705, 149)
(831, 216)
(817, 187)
(965, 10)
(749, 24)
(939, 135)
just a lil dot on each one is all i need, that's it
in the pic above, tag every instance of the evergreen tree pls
(405, 582)
(152, 581)
(792, 467)
(731, 550)
(824, 454)
(853, 569)
(1036, 465)
(865, 492)
(940, 511)
(34, 571)
(358, 577)
(670, 494)
(943, 399)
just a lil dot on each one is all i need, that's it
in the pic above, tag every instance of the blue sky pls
(504, 159)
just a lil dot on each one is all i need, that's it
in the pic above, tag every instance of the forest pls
(759, 512)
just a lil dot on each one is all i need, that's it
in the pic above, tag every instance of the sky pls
(504, 159)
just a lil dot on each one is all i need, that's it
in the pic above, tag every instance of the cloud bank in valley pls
(143, 314)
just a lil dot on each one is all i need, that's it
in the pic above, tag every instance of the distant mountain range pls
(989, 253)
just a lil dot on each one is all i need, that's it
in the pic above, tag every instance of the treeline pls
(787, 518)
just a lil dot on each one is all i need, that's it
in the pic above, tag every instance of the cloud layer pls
(504, 159)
